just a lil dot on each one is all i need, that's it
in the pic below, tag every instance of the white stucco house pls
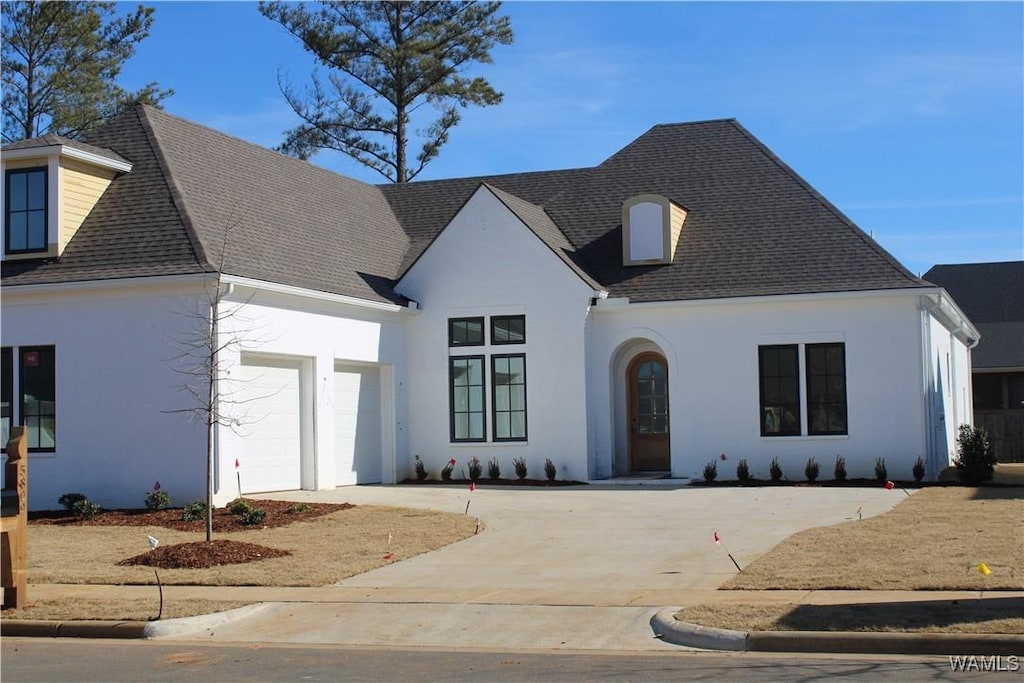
(687, 297)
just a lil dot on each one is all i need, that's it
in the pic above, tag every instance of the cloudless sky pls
(908, 116)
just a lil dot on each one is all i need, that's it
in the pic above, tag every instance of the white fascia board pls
(71, 153)
(312, 294)
(621, 302)
(940, 304)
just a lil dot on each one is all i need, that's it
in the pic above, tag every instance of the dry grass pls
(323, 551)
(117, 609)
(972, 616)
(931, 541)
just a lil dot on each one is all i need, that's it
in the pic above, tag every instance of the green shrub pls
(550, 471)
(918, 469)
(811, 469)
(840, 471)
(194, 511)
(711, 471)
(68, 500)
(520, 465)
(254, 516)
(239, 506)
(157, 499)
(475, 469)
(494, 469)
(975, 460)
(775, 470)
(85, 509)
(742, 471)
(296, 508)
(421, 470)
(881, 473)
(446, 471)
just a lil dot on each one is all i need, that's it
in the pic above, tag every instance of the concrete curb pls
(668, 628)
(27, 628)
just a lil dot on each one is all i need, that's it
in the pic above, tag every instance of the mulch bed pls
(279, 513)
(826, 483)
(202, 554)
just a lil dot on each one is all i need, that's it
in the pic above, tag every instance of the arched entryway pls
(647, 411)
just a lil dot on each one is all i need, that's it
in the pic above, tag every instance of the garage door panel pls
(270, 399)
(357, 424)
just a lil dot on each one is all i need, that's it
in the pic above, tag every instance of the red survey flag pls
(715, 536)
(889, 486)
(472, 486)
(236, 463)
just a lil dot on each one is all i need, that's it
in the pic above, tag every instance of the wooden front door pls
(647, 382)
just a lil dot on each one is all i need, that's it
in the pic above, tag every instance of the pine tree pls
(385, 61)
(60, 66)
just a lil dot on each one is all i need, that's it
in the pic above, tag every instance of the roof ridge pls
(832, 208)
(177, 196)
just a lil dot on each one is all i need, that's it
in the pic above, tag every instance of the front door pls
(647, 379)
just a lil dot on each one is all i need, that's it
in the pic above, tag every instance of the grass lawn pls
(323, 551)
(933, 540)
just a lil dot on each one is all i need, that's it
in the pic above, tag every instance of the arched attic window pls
(651, 225)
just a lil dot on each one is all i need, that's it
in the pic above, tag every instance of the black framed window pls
(508, 329)
(508, 404)
(38, 396)
(466, 390)
(26, 200)
(6, 394)
(826, 388)
(780, 390)
(466, 331)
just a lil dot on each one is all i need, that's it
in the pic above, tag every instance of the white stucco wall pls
(114, 383)
(319, 335)
(712, 352)
(947, 389)
(486, 262)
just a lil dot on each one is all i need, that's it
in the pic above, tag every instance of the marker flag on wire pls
(889, 486)
(238, 476)
(859, 515)
(472, 486)
(718, 541)
(983, 569)
(715, 536)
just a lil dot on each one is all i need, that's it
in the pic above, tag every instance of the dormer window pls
(651, 225)
(25, 223)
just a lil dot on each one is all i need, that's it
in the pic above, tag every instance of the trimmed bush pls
(550, 471)
(881, 472)
(421, 469)
(194, 511)
(742, 471)
(775, 470)
(239, 506)
(918, 469)
(811, 469)
(85, 509)
(68, 500)
(446, 471)
(520, 465)
(840, 471)
(494, 469)
(296, 508)
(711, 471)
(476, 470)
(254, 516)
(975, 460)
(157, 499)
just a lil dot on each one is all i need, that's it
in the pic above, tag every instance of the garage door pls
(357, 424)
(270, 397)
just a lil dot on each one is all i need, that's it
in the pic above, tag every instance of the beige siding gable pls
(81, 186)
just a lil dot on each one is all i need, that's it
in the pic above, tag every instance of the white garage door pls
(269, 393)
(357, 424)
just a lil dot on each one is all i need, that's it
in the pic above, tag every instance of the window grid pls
(826, 388)
(508, 329)
(508, 401)
(25, 222)
(780, 390)
(466, 392)
(37, 396)
(466, 331)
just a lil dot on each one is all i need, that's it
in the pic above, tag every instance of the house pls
(687, 297)
(992, 294)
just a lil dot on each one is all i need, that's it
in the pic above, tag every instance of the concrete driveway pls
(577, 568)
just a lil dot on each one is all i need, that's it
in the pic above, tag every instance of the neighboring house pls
(687, 297)
(992, 294)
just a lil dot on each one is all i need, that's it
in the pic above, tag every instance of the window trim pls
(451, 330)
(46, 210)
(451, 398)
(761, 384)
(493, 325)
(845, 401)
(494, 401)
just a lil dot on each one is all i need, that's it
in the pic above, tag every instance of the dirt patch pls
(279, 513)
(203, 554)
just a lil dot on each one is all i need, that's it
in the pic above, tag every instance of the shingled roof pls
(992, 296)
(198, 200)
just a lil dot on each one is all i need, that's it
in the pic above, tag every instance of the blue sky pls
(908, 116)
